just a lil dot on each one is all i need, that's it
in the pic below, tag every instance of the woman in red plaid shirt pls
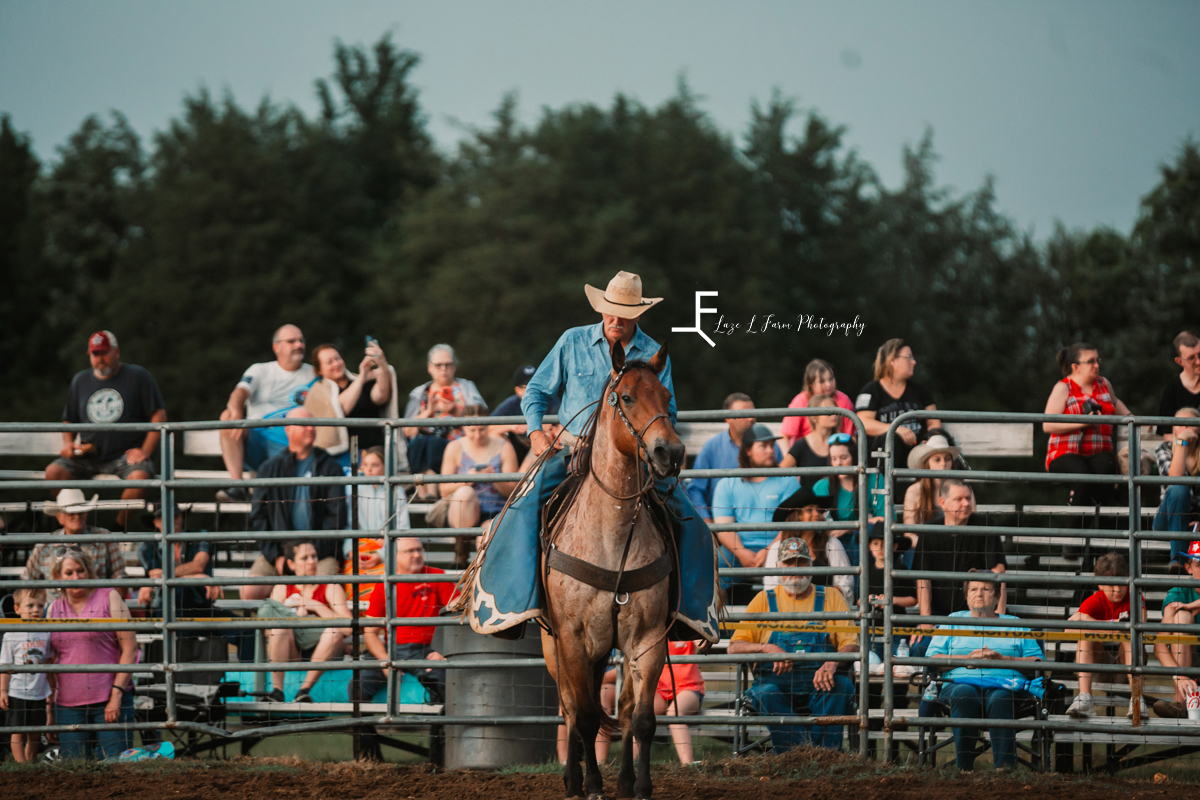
(1082, 447)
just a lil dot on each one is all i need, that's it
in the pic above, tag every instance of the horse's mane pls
(637, 364)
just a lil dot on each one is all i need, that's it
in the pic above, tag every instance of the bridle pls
(644, 471)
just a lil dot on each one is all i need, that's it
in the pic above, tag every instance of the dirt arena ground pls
(806, 774)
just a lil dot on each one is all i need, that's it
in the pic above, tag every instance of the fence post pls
(355, 595)
(865, 615)
(889, 699)
(389, 561)
(168, 569)
(1135, 569)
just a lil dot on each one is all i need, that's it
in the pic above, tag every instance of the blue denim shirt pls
(578, 366)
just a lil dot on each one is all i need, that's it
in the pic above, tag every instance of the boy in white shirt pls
(27, 697)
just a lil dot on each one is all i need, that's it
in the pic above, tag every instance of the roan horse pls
(606, 564)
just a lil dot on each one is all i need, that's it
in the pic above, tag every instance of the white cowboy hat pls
(934, 444)
(623, 297)
(71, 501)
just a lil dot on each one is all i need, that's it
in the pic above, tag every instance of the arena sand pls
(806, 774)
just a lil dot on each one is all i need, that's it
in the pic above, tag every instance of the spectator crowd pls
(321, 388)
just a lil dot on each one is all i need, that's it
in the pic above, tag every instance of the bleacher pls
(1030, 553)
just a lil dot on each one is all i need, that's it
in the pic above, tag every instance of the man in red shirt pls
(1110, 604)
(412, 600)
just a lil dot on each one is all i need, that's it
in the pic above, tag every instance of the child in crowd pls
(1109, 604)
(680, 693)
(904, 590)
(27, 696)
(1180, 607)
(372, 516)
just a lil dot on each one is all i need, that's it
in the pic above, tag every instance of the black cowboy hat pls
(154, 511)
(799, 499)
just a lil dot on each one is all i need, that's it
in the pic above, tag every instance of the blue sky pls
(1070, 105)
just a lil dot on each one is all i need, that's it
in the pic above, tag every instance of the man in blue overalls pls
(506, 591)
(798, 688)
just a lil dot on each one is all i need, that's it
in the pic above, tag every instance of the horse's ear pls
(618, 357)
(659, 362)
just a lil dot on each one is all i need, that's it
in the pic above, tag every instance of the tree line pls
(193, 246)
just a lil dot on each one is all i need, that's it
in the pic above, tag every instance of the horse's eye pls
(626, 398)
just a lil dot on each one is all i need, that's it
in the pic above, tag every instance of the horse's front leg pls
(590, 722)
(643, 672)
(627, 704)
(579, 694)
(588, 725)
(643, 730)
(572, 774)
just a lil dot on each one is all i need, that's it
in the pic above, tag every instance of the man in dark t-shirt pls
(516, 435)
(915, 397)
(110, 392)
(880, 402)
(953, 552)
(1182, 391)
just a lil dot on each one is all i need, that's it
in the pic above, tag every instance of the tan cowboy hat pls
(622, 298)
(934, 444)
(71, 501)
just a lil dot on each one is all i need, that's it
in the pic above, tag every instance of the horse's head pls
(636, 393)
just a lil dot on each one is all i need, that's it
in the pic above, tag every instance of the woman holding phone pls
(338, 392)
(1082, 447)
(446, 395)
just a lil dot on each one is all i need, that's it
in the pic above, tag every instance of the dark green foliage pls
(233, 222)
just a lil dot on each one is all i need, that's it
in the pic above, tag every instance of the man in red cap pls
(110, 392)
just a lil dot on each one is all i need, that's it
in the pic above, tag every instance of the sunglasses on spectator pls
(63, 550)
(838, 438)
(1095, 361)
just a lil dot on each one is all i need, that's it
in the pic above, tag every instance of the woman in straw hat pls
(937, 453)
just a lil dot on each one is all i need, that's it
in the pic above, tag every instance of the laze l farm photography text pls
(799, 323)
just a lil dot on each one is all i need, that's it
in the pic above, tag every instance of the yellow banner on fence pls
(782, 625)
(908, 630)
(56, 620)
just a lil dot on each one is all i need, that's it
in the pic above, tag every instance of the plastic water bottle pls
(902, 649)
(931, 691)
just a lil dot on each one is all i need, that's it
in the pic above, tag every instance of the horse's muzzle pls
(666, 457)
